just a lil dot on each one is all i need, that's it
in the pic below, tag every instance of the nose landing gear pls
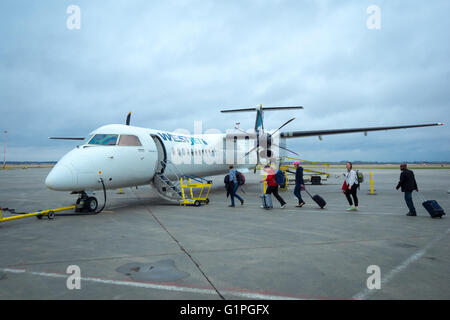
(86, 203)
(89, 204)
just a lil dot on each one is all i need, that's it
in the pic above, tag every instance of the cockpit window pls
(129, 140)
(104, 139)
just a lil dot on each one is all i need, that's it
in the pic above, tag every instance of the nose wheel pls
(86, 203)
(92, 204)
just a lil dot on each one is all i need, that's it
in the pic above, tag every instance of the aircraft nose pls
(61, 178)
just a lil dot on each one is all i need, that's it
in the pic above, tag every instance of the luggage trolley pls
(194, 182)
(317, 170)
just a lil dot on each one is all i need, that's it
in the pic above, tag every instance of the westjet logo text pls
(183, 139)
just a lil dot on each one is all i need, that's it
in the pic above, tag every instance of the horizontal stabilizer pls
(263, 108)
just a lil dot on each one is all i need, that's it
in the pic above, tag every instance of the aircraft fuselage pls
(134, 162)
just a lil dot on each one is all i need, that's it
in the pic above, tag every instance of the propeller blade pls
(285, 149)
(250, 151)
(283, 126)
(257, 156)
(128, 119)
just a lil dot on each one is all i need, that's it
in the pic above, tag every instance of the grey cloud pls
(174, 62)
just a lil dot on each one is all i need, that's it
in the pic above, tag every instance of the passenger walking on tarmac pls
(351, 187)
(272, 186)
(408, 184)
(299, 183)
(233, 186)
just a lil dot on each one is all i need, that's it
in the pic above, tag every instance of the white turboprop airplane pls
(118, 156)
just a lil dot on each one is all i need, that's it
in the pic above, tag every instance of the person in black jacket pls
(408, 184)
(299, 183)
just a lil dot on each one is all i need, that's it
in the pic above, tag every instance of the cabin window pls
(129, 140)
(104, 139)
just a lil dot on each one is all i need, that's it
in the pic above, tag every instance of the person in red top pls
(272, 186)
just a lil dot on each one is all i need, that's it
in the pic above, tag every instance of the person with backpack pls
(299, 183)
(272, 185)
(233, 185)
(351, 187)
(408, 184)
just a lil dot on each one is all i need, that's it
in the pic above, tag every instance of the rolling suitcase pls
(433, 208)
(317, 199)
(267, 201)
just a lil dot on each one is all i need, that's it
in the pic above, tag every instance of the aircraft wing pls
(297, 134)
(66, 138)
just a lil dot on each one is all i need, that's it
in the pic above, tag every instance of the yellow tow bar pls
(49, 213)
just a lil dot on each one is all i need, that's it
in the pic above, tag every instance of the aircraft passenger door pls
(162, 154)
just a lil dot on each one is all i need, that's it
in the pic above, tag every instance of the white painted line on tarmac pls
(167, 287)
(364, 294)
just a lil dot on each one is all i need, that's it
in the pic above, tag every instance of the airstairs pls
(167, 182)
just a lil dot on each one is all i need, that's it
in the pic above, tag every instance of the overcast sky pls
(174, 62)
